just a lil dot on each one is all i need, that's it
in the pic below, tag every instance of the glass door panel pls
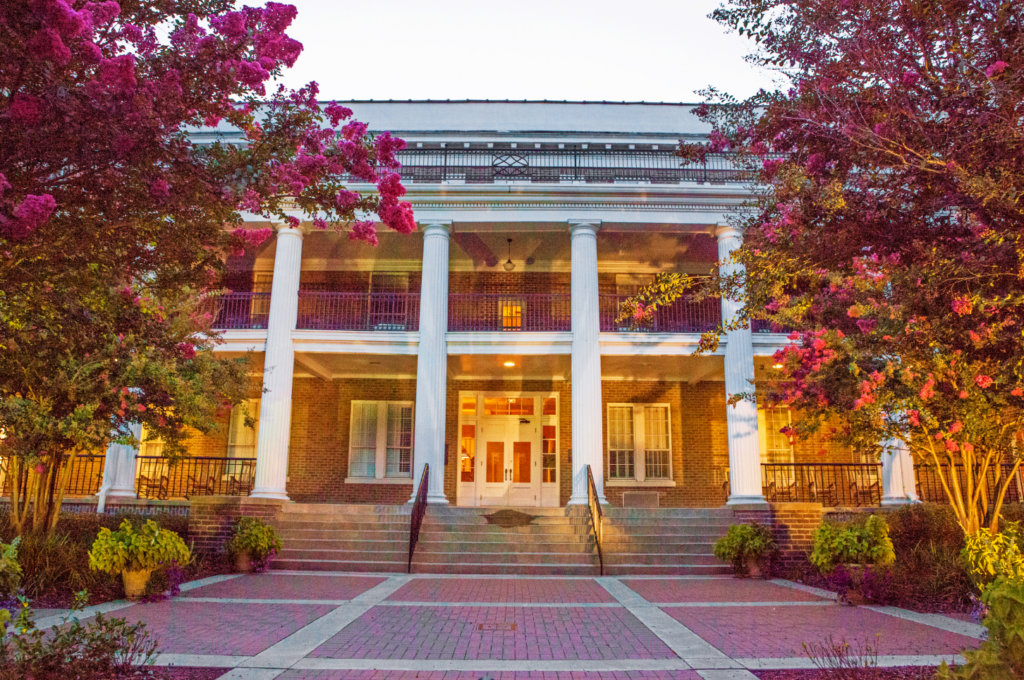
(494, 482)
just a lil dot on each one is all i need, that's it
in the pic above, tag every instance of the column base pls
(437, 499)
(896, 500)
(274, 494)
(747, 500)
(121, 493)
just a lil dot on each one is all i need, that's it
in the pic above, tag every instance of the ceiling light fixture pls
(509, 265)
(510, 364)
(777, 365)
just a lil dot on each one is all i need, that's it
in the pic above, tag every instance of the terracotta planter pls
(243, 563)
(135, 582)
(754, 568)
(857, 572)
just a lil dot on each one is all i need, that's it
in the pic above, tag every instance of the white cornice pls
(509, 343)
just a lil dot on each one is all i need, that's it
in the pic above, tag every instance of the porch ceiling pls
(335, 366)
(525, 367)
(669, 368)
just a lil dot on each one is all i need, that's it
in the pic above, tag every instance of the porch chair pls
(154, 489)
(826, 496)
(194, 488)
(864, 495)
(239, 485)
(769, 492)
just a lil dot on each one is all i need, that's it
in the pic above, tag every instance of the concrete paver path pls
(329, 626)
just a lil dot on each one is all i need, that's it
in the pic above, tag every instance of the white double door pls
(511, 471)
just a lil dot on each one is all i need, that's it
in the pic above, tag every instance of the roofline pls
(502, 101)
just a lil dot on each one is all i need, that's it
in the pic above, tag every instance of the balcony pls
(358, 311)
(555, 166)
(529, 313)
(238, 311)
(682, 316)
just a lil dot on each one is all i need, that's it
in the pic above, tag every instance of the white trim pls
(509, 342)
(640, 480)
(767, 344)
(242, 341)
(378, 480)
(632, 483)
(356, 342)
(380, 443)
(667, 344)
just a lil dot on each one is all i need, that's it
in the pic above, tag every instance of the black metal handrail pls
(156, 477)
(238, 311)
(85, 478)
(596, 516)
(929, 485)
(419, 508)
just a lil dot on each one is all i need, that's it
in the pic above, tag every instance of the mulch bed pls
(896, 673)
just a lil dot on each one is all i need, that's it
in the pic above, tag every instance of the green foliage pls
(255, 537)
(150, 548)
(868, 543)
(743, 542)
(101, 649)
(992, 555)
(1001, 657)
(10, 570)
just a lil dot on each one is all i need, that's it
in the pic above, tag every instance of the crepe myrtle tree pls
(886, 227)
(114, 225)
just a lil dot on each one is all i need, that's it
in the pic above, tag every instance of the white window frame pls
(253, 407)
(381, 443)
(639, 447)
(762, 436)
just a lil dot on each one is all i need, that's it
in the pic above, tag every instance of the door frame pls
(467, 493)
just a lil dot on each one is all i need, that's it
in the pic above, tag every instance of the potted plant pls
(857, 547)
(253, 544)
(748, 547)
(137, 554)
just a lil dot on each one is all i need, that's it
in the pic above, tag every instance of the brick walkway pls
(363, 627)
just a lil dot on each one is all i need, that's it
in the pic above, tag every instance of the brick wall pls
(700, 449)
(211, 518)
(510, 283)
(792, 524)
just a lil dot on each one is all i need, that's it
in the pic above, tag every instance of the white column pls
(278, 367)
(741, 419)
(119, 469)
(587, 416)
(432, 363)
(899, 486)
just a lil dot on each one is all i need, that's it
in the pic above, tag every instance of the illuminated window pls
(620, 442)
(550, 406)
(511, 315)
(508, 406)
(241, 438)
(550, 454)
(639, 442)
(776, 446)
(467, 453)
(469, 406)
(657, 451)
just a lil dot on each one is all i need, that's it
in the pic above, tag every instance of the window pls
(150, 447)
(511, 314)
(467, 453)
(241, 438)
(508, 406)
(469, 406)
(620, 442)
(657, 451)
(640, 442)
(550, 406)
(380, 440)
(549, 448)
(776, 446)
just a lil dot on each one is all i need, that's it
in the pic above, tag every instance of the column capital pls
(727, 231)
(283, 230)
(584, 225)
(436, 226)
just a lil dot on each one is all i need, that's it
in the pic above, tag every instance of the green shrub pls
(98, 650)
(253, 536)
(743, 542)
(10, 570)
(149, 548)
(993, 555)
(1001, 656)
(866, 543)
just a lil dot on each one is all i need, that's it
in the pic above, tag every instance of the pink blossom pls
(815, 164)
(251, 237)
(639, 313)
(159, 189)
(963, 394)
(1017, 392)
(26, 109)
(103, 12)
(866, 326)
(46, 45)
(910, 78)
(952, 445)
(347, 200)
(118, 73)
(770, 168)
(30, 214)
(364, 231)
(187, 350)
(967, 447)
(337, 113)
(956, 427)
(40, 468)
(962, 305)
(4, 184)
(982, 381)
(914, 417)
(717, 142)
(996, 68)
(927, 391)
(354, 131)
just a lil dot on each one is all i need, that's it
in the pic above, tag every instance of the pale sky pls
(639, 50)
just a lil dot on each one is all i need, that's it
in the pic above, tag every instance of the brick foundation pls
(792, 524)
(211, 518)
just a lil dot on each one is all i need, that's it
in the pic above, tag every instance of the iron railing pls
(682, 316)
(572, 164)
(238, 311)
(86, 475)
(831, 484)
(929, 486)
(765, 326)
(529, 312)
(596, 517)
(419, 508)
(187, 477)
(358, 311)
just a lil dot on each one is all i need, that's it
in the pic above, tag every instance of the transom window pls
(380, 439)
(508, 406)
(639, 442)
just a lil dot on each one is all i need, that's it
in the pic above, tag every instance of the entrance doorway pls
(508, 450)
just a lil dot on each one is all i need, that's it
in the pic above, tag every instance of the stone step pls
(503, 557)
(321, 509)
(674, 548)
(723, 524)
(510, 569)
(534, 543)
(344, 535)
(659, 558)
(328, 544)
(453, 511)
(613, 512)
(376, 555)
(682, 532)
(481, 521)
(399, 567)
(342, 526)
(475, 531)
(666, 570)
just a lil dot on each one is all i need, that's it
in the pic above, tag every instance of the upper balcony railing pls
(238, 311)
(681, 316)
(529, 313)
(554, 166)
(358, 311)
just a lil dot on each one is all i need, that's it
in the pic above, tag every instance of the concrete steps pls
(670, 541)
(547, 541)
